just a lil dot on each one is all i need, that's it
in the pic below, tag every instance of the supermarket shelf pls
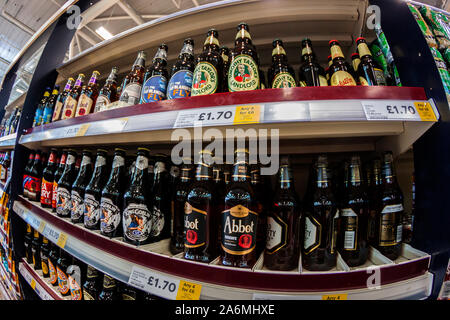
(6, 284)
(302, 115)
(8, 142)
(404, 278)
(38, 283)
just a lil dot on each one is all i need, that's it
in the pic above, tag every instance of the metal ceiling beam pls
(125, 6)
(195, 3)
(17, 23)
(177, 4)
(115, 18)
(86, 37)
(96, 10)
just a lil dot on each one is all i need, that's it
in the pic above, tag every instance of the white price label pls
(154, 283)
(397, 110)
(33, 221)
(51, 234)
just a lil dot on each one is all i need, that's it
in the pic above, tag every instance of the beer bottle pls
(34, 190)
(63, 198)
(57, 113)
(79, 187)
(88, 96)
(15, 122)
(374, 184)
(156, 77)
(239, 219)
(5, 168)
(340, 70)
(369, 73)
(53, 257)
(225, 53)
(93, 193)
(200, 216)
(129, 293)
(109, 291)
(9, 120)
(45, 248)
(180, 83)
(28, 243)
(283, 224)
(136, 217)
(208, 73)
(181, 191)
(244, 71)
(61, 270)
(160, 201)
(108, 94)
(57, 175)
(310, 74)
(281, 74)
(93, 284)
(320, 224)
(112, 196)
(70, 105)
(219, 190)
(76, 274)
(39, 111)
(47, 180)
(390, 213)
(49, 106)
(36, 250)
(132, 84)
(262, 205)
(355, 61)
(327, 70)
(353, 243)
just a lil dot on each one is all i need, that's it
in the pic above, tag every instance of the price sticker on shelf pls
(189, 291)
(61, 242)
(154, 283)
(51, 234)
(247, 114)
(425, 111)
(33, 284)
(397, 110)
(41, 227)
(335, 297)
(82, 130)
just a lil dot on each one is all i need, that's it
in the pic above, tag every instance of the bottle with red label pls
(56, 176)
(61, 270)
(70, 105)
(47, 180)
(34, 188)
(57, 113)
(26, 174)
(88, 96)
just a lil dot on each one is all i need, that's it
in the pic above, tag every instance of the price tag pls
(61, 242)
(247, 114)
(189, 291)
(41, 227)
(425, 111)
(154, 283)
(397, 110)
(51, 234)
(335, 297)
(33, 284)
(82, 130)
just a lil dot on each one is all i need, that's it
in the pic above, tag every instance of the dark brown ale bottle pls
(374, 184)
(28, 243)
(327, 70)
(45, 249)
(47, 180)
(79, 187)
(93, 284)
(57, 175)
(389, 225)
(136, 217)
(243, 74)
(320, 222)
(280, 74)
(34, 190)
(129, 293)
(181, 192)
(109, 291)
(207, 78)
(355, 61)
(353, 243)
(283, 224)
(340, 70)
(61, 270)
(53, 257)
(108, 94)
(225, 53)
(369, 73)
(93, 192)
(63, 197)
(310, 73)
(156, 78)
(200, 215)
(180, 84)
(132, 84)
(57, 112)
(26, 174)
(36, 250)
(239, 221)
(112, 197)
(70, 105)
(262, 205)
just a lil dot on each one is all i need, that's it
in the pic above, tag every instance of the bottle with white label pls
(283, 224)
(353, 242)
(320, 222)
(390, 215)
(132, 84)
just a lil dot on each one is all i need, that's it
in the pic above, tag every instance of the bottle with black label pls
(28, 244)
(181, 77)
(341, 74)
(93, 193)
(53, 257)
(239, 220)
(156, 77)
(200, 216)
(109, 291)
(108, 94)
(389, 226)
(374, 182)
(132, 84)
(129, 293)
(353, 242)
(320, 223)
(369, 73)
(45, 249)
(64, 188)
(280, 74)
(79, 187)
(112, 197)
(93, 284)
(36, 250)
(310, 74)
(136, 217)
(61, 270)
(76, 273)
(262, 205)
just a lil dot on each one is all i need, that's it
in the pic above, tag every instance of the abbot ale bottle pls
(63, 198)
(340, 70)
(156, 77)
(108, 94)
(280, 74)
(47, 180)
(369, 73)
(180, 83)
(53, 257)
(79, 187)
(132, 84)
(88, 96)
(57, 112)
(109, 291)
(310, 74)
(70, 105)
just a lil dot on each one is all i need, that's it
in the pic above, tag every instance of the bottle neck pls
(52, 158)
(187, 51)
(203, 172)
(100, 166)
(140, 169)
(79, 82)
(241, 171)
(185, 175)
(68, 86)
(336, 52)
(354, 178)
(307, 53)
(322, 179)
(211, 44)
(364, 50)
(243, 36)
(388, 175)
(140, 62)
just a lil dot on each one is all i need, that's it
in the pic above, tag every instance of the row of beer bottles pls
(5, 163)
(9, 124)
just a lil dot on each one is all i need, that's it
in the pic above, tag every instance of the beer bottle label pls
(363, 81)
(283, 80)
(239, 230)
(44, 266)
(74, 282)
(53, 273)
(391, 226)
(342, 78)
(54, 194)
(180, 85)
(57, 111)
(379, 76)
(69, 108)
(154, 89)
(108, 282)
(127, 297)
(62, 281)
(355, 64)
(87, 295)
(46, 192)
(243, 74)
(363, 50)
(34, 187)
(63, 203)
(131, 94)
(194, 226)
(313, 234)
(205, 79)
(336, 51)
(323, 81)
(102, 102)
(91, 210)
(84, 105)
(157, 222)
(349, 220)
(77, 205)
(136, 222)
(276, 234)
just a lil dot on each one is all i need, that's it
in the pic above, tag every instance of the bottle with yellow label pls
(310, 74)
(340, 69)
(369, 73)
(280, 73)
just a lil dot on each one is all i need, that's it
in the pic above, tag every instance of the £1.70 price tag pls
(398, 110)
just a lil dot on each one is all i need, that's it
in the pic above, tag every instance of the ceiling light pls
(105, 34)
(19, 90)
